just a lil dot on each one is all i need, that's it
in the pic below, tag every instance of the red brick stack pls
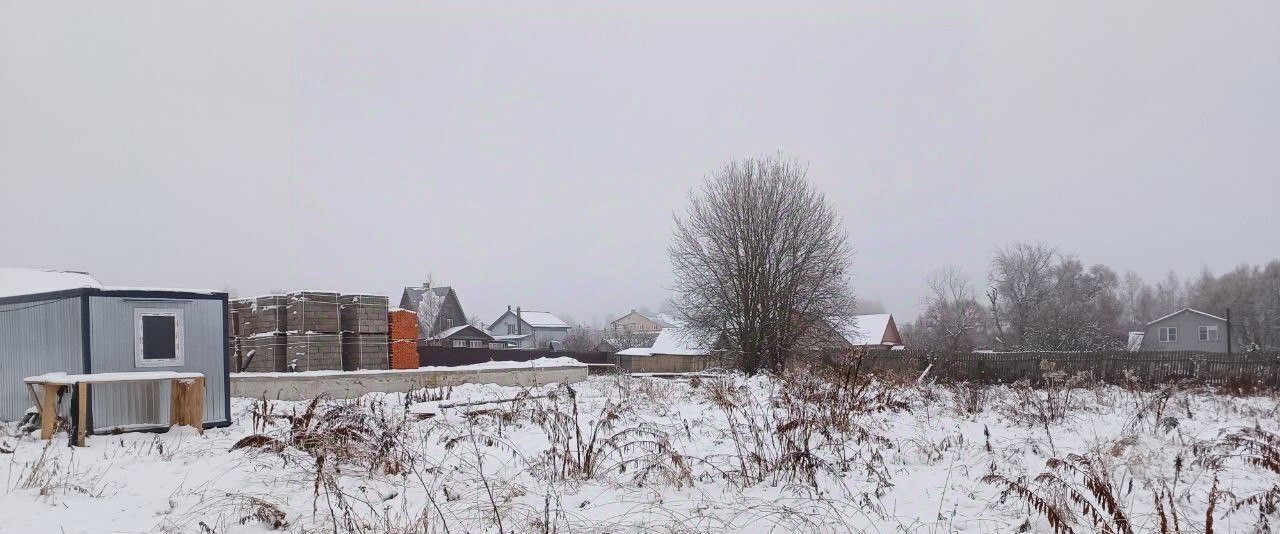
(403, 329)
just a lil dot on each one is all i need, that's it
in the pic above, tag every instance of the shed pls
(60, 321)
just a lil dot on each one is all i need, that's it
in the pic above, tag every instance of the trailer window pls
(157, 337)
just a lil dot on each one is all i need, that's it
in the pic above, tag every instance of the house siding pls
(37, 337)
(542, 337)
(1188, 324)
(111, 320)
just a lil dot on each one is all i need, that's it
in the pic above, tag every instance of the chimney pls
(519, 323)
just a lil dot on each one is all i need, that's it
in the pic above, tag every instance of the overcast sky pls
(536, 156)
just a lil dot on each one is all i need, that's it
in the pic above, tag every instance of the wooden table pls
(186, 397)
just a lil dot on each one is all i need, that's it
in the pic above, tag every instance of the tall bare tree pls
(760, 259)
(1021, 285)
(953, 319)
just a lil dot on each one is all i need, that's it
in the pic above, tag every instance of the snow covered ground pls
(618, 454)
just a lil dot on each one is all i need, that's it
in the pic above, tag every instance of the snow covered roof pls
(636, 351)
(863, 330)
(678, 341)
(450, 332)
(412, 297)
(1192, 310)
(537, 319)
(16, 281)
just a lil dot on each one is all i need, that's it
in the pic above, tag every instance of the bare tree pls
(759, 260)
(953, 319)
(581, 338)
(1022, 282)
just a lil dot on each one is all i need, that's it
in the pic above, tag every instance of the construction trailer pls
(59, 321)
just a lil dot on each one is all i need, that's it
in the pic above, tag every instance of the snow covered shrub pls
(584, 446)
(336, 432)
(811, 422)
(969, 398)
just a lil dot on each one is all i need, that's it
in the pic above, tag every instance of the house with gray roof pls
(547, 329)
(1185, 330)
(438, 308)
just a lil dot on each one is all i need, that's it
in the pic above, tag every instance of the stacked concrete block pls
(364, 351)
(403, 327)
(312, 312)
(260, 315)
(313, 352)
(264, 353)
(363, 314)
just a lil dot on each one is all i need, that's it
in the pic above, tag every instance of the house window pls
(448, 323)
(511, 329)
(477, 344)
(1168, 334)
(460, 343)
(157, 337)
(1208, 333)
(497, 346)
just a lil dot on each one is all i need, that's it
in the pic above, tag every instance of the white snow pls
(99, 378)
(679, 341)
(864, 330)
(636, 351)
(540, 319)
(921, 472)
(17, 281)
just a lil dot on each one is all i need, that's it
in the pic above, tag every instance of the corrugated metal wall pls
(111, 331)
(36, 338)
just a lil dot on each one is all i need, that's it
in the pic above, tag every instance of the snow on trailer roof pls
(16, 282)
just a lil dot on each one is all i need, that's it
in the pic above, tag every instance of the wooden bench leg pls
(49, 411)
(186, 403)
(83, 412)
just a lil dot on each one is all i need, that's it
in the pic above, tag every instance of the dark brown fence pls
(1119, 367)
(455, 356)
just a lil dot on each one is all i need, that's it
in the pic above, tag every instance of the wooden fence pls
(1248, 370)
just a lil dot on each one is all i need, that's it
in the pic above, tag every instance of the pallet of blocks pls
(313, 352)
(364, 351)
(363, 314)
(259, 315)
(312, 312)
(403, 329)
(263, 353)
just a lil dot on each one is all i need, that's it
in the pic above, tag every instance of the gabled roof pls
(536, 319)
(1211, 316)
(412, 296)
(679, 341)
(662, 320)
(17, 282)
(457, 329)
(862, 330)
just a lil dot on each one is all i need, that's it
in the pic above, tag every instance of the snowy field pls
(618, 454)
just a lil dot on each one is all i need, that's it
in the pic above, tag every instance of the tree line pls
(1037, 297)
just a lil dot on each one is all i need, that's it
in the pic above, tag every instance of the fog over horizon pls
(535, 156)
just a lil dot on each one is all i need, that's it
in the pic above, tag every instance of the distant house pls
(1185, 329)
(876, 330)
(465, 337)
(547, 329)
(640, 322)
(437, 307)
